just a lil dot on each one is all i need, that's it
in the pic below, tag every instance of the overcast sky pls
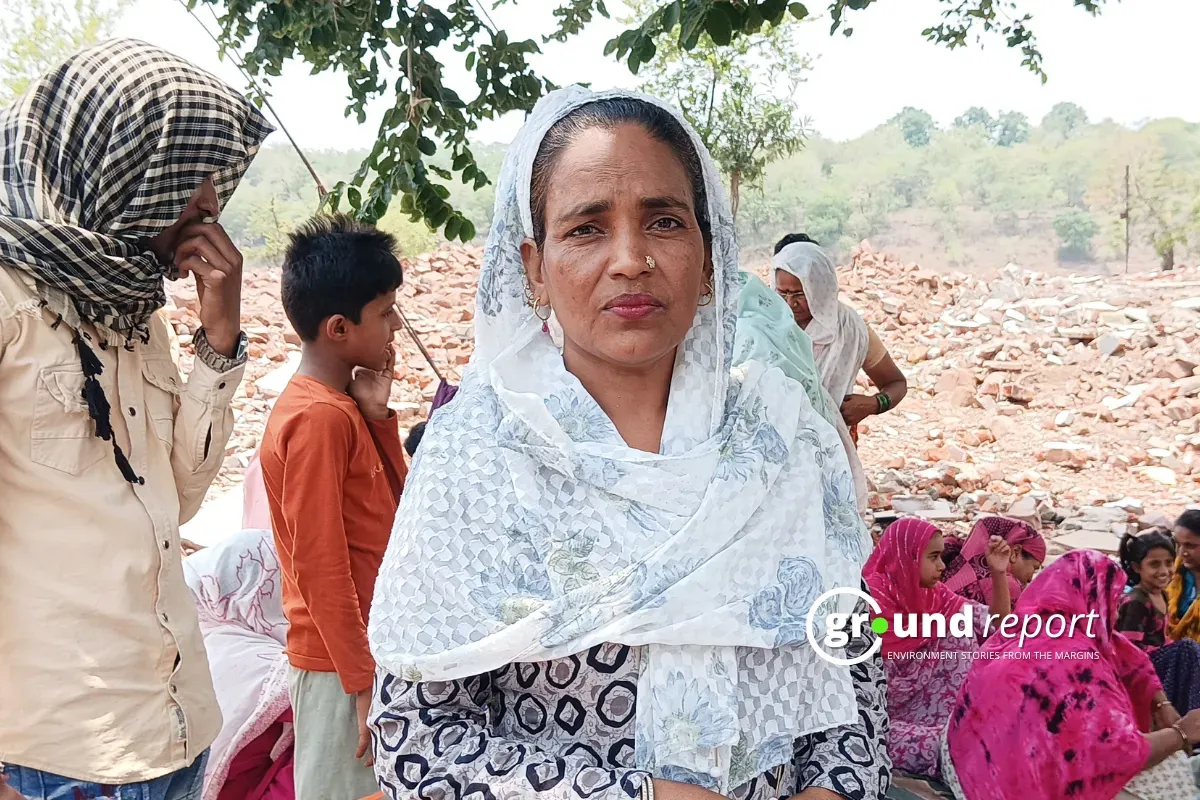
(1136, 61)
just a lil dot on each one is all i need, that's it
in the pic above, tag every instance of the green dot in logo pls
(879, 625)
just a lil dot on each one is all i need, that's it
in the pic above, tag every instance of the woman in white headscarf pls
(843, 343)
(604, 560)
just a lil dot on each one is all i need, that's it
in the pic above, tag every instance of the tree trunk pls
(1168, 259)
(735, 190)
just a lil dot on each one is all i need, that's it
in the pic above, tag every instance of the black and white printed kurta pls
(564, 729)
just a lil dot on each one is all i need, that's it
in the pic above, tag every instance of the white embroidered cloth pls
(528, 530)
(236, 587)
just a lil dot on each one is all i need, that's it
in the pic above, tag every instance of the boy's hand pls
(371, 390)
(363, 701)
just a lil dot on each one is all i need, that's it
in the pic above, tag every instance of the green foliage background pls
(962, 197)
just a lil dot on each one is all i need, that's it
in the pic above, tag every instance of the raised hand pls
(998, 555)
(371, 390)
(206, 251)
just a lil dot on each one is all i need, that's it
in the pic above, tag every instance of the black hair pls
(336, 265)
(1189, 520)
(794, 238)
(608, 114)
(1134, 549)
(414, 439)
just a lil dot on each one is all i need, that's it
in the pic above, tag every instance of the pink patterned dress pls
(922, 686)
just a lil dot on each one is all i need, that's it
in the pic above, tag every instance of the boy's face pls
(367, 344)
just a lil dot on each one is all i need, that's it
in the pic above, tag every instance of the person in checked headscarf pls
(114, 168)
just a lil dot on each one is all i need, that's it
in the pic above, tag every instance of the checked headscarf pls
(98, 157)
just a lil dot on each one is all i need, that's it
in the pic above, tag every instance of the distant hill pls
(976, 196)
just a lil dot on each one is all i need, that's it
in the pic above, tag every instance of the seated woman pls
(1184, 611)
(235, 584)
(1148, 561)
(601, 569)
(843, 343)
(1073, 718)
(967, 571)
(922, 682)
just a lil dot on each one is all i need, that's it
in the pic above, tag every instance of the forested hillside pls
(986, 191)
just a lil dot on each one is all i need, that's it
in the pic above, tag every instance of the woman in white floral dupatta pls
(605, 556)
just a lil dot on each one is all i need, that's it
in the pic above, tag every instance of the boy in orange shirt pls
(333, 467)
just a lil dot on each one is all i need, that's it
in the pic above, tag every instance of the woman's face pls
(932, 565)
(1023, 566)
(624, 263)
(1156, 569)
(1189, 548)
(788, 287)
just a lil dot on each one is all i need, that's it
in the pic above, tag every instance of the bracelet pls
(1161, 703)
(883, 402)
(647, 790)
(1187, 743)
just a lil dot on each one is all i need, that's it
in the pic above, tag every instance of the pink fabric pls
(921, 694)
(256, 514)
(252, 771)
(280, 783)
(1067, 723)
(894, 574)
(967, 572)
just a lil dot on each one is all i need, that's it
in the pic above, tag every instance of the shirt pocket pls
(63, 435)
(162, 391)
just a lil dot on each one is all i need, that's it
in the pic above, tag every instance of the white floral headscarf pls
(839, 334)
(530, 531)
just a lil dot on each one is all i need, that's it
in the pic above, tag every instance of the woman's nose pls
(630, 256)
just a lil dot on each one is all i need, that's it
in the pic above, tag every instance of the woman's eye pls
(666, 223)
(584, 230)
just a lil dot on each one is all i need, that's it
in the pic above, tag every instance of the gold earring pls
(650, 263)
(707, 293)
(537, 308)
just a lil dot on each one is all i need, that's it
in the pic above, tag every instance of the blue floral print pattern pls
(784, 607)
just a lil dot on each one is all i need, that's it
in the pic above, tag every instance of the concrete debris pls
(1045, 397)
(1072, 386)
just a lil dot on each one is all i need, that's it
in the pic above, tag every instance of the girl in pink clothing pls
(1073, 718)
(923, 673)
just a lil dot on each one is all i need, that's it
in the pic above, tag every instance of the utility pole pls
(1125, 216)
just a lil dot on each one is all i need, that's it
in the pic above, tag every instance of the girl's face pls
(1156, 568)
(1023, 566)
(932, 565)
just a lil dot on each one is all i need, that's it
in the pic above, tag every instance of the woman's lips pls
(634, 306)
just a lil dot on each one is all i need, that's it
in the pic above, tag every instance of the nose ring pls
(650, 263)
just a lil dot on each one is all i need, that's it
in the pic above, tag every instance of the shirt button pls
(165, 618)
(132, 411)
(221, 385)
(166, 545)
(172, 688)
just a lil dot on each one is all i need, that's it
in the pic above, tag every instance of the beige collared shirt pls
(103, 676)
